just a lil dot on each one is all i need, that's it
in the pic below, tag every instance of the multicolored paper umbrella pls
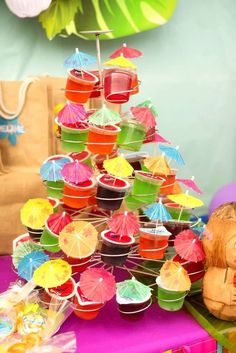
(173, 153)
(98, 284)
(148, 103)
(127, 52)
(157, 165)
(22, 249)
(144, 116)
(174, 276)
(190, 183)
(78, 239)
(79, 59)
(124, 223)
(186, 200)
(104, 117)
(30, 262)
(35, 212)
(71, 114)
(76, 172)
(133, 289)
(57, 222)
(52, 273)
(158, 212)
(121, 62)
(51, 170)
(189, 246)
(118, 166)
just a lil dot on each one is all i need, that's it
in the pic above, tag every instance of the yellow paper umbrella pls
(121, 62)
(186, 200)
(118, 166)
(174, 276)
(78, 239)
(157, 165)
(52, 273)
(35, 212)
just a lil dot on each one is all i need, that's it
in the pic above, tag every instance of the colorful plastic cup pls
(146, 187)
(80, 85)
(78, 265)
(136, 159)
(96, 92)
(134, 83)
(153, 242)
(115, 248)
(131, 136)
(132, 310)
(74, 139)
(175, 227)
(100, 158)
(49, 240)
(35, 234)
(84, 308)
(64, 292)
(168, 299)
(117, 86)
(132, 203)
(55, 188)
(101, 140)
(196, 270)
(111, 191)
(176, 210)
(55, 204)
(84, 157)
(168, 184)
(77, 195)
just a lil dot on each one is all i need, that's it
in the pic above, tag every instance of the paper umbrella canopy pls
(186, 200)
(144, 116)
(97, 284)
(51, 169)
(158, 212)
(127, 52)
(104, 117)
(30, 262)
(76, 172)
(133, 289)
(35, 212)
(189, 247)
(118, 166)
(79, 59)
(22, 249)
(52, 273)
(57, 222)
(71, 114)
(124, 223)
(173, 153)
(121, 62)
(174, 276)
(157, 165)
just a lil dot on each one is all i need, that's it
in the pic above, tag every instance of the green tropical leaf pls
(59, 14)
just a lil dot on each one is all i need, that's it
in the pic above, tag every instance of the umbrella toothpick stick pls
(145, 268)
(136, 271)
(81, 64)
(95, 264)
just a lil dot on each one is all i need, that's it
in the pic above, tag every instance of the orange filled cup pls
(153, 242)
(101, 140)
(168, 185)
(84, 308)
(79, 86)
(77, 195)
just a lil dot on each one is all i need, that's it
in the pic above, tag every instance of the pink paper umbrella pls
(144, 116)
(127, 52)
(124, 224)
(76, 172)
(189, 247)
(97, 284)
(190, 183)
(57, 221)
(72, 114)
(159, 138)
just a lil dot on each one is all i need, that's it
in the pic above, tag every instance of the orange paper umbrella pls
(174, 276)
(78, 239)
(157, 165)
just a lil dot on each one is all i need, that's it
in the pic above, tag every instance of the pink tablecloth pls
(158, 331)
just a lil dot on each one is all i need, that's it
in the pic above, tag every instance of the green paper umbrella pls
(23, 249)
(133, 289)
(104, 117)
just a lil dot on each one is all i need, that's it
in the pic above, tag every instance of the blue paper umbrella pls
(10, 129)
(51, 170)
(29, 263)
(173, 153)
(158, 212)
(79, 59)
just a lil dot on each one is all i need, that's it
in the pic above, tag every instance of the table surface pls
(158, 331)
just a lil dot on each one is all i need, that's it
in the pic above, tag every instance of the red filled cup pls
(77, 195)
(96, 89)
(117, 86)
(80, 85)
(78, 265)
(196, 270)
(84, 308)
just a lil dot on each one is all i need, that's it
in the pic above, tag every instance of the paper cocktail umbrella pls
(127, 52)
(121, 62)
(186, 200)
(52, 273)
(174, 276)
(148, 103)
(23, 248)
(57, 222)
(124, 223)
(98, 284)
(190, 183)
(144, 116)
(76, 172)
(133, 289)
(79, 59)
(71, 114)
(104, 117)
(30, 262)
(51, 170)
(189, 246)
(159, 138)
(157, 165)
(35, 212)
(157, 212)
(173, 153)
(78, 239)
(118, 166)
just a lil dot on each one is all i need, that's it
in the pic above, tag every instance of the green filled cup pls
(132, 203)
(131, 135)
(49, 240)
(168, 299)
(146, 187)
(176, 211)
(73, 139)
(55, 189)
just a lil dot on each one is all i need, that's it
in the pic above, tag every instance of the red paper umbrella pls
(72, 114)
(57, 221)
(127, 52)
(189, 246)
(97, 284)
(124, 223)
(76, 172)
(190, 183)
(144, 116)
